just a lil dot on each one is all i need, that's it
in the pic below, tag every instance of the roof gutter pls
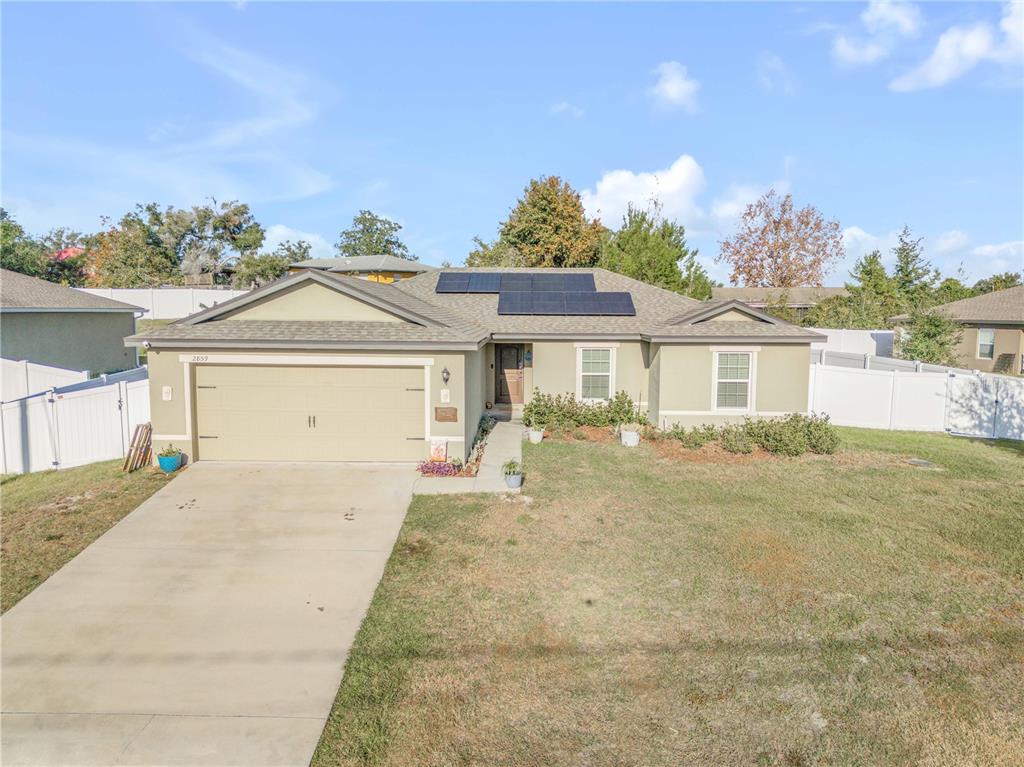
(736, 339)
(193, 343)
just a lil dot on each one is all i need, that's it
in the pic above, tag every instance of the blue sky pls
(879, 114)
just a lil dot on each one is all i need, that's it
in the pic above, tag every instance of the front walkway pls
(505, 443)
(209, 627)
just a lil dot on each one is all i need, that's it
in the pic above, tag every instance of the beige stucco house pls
(54, 325)
(993, 330)
(317, 366)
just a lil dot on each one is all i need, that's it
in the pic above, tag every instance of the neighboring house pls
(373, 268)
(50, 324)
(993, 330)
(316, 366)
(797, 299)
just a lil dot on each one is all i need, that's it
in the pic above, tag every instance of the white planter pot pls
(630, 438)
(536, 436)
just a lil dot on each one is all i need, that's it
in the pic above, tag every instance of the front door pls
(509, 370)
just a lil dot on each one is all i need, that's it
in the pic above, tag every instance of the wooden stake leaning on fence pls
(140, 451)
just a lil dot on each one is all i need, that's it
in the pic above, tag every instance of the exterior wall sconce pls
(445, 375)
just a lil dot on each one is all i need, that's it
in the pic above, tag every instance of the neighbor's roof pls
(22, 293)
(382, 263)
(806, 296)
(1003, 307)
(465, 320)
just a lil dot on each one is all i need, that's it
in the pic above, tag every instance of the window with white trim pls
(986, 343)
(732, 380)
(595, 382)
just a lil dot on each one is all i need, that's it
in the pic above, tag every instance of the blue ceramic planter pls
(169, 463)
(514, 480)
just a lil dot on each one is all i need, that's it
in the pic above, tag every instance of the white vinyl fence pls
(20, 378)
(90, 422)
(877, 342)
(167, 303)
(959, 402)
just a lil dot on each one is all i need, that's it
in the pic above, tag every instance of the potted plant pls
(513, 474)
(629, 434)
(536, 433)
(169, 459)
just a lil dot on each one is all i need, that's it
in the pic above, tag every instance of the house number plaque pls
(446, 414)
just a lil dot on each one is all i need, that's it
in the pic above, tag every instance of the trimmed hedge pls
(792, 435)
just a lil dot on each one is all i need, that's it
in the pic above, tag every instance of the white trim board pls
(304, 360)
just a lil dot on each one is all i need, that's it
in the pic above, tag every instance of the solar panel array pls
(540, 302)
(540, 294)
(501, 282)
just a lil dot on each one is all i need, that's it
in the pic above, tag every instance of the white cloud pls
(278, 233)
(883, 15)
(567, 109)
(884, 23)
(727, 209)
(774, 75)
(674, 88)
(675, 187)
(950, 242)
(960, 49)
(857, 52)
(1000, 257)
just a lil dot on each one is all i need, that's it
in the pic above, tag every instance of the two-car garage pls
(284, 412)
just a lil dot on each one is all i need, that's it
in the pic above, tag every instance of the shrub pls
(438, 469)
(782, 436)
(822, 436)
(545, 410)
(735, 439)
(695, 438)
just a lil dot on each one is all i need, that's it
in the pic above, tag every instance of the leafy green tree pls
(495, 253)
(18, 251)
(130, 255)
(913, 276)
(871, 299)
(548, 226)
(372, 235)
(930, 337)
(951, 289)
(998, 282)
(650, 248)
(253, 270)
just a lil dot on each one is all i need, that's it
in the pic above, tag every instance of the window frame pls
(750, 380)
(611, 349)
(977, 345)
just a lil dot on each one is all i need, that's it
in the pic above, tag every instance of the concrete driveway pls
(209, 627)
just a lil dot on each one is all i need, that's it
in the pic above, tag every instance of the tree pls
(930, 337)
(871, 299)
(495, 253)
(913, 276)
(548, 227)
(372, 235)
(253, 270)
(130, 255)
(951, 289)
(998, 282)
(776, 246)
(18, 251)
(650, 248)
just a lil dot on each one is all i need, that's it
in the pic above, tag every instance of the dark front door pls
(508, 368)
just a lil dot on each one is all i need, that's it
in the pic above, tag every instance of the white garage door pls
(278, 413)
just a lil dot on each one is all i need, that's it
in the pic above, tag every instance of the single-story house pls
(54, 325)
(993, 330)
(798, 299)
(316, 366)
(381, 268)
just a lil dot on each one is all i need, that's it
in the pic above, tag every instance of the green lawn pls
(634, 609)
(50, 516)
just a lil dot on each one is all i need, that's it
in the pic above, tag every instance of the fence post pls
(867, 362)
(51, 400)
(893, 391)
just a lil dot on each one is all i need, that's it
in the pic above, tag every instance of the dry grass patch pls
(50, 516)
(630, 609)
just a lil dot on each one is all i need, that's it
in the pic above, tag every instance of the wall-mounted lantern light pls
(445, 375)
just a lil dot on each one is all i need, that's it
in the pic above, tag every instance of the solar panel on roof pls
(581, 303)
(548, 283)
(579, 282)
(486, 282)
(516, 282)
(618, 304)
(452, 282)
(515, 302)
(548, 302)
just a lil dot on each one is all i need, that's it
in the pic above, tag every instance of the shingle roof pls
(20, 292)
(1000, 306)
(467, 319)
(381, 263)
(804, 296)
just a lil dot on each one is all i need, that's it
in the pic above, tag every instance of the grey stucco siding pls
(92, 341)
